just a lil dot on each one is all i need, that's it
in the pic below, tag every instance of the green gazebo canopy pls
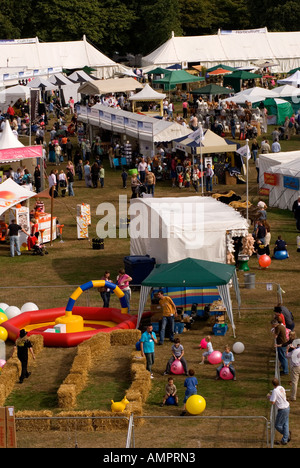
(212, 89)
(235, 78)
(178, 77)
(279, 107)
(190, 272)
(159, 71)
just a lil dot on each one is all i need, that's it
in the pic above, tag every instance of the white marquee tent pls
(267, 161)
(236, 49)
(13, 94)
(287, 188)
(252, 95)
(171, 229)
(36, 55)
(293, 80)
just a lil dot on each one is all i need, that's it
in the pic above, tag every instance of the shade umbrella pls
(224, 67)
(265, 63)
(219, 71)
(212, 89)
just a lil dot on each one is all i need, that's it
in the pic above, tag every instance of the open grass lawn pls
(74, 262)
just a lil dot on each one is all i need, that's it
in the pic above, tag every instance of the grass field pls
(74, 262)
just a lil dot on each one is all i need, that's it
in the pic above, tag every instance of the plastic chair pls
(123, 162)
(116, 163)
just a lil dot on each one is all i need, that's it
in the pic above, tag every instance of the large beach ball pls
(238, 347)
(12, 311)
(3, 317)
(281, 254)
(195, 404)
(3, 334)
(170, 400)
(3, 306)
(203, 344)
(264, 261)
(2, 363)
(215, 357)
(226, 374)
(177, 367)
(28, 307)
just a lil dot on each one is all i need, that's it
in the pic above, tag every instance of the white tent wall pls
(266, 161)
(236, 50)
(280, 196)
(171, 229)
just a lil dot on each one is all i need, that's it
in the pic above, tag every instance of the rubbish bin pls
(249, 280)
(138, 267)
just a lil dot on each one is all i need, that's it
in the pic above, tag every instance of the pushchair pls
(37, 247)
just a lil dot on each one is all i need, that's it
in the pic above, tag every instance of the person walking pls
(278, 398)
(22, 346)
(148, 341)
(13, 234)
(281, 344)
(169, 313)
(293, 356)
(70, 179)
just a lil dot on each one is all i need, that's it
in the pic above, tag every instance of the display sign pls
(291, 183)
(270, 179)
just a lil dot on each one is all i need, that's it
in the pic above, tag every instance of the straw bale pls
(85, 352)
(133, 395)
(135, 407)
(98, 343)
(80, 364)
(33, 425)
(125, 337)
(111, 422)
(37, 342)
(66, 396)
(77, 379)
(74, 422)
(2, 395)
(141, 386)
(9, 377)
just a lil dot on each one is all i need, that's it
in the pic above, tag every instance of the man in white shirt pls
(276, 148)
(142, 169)
(278, 398)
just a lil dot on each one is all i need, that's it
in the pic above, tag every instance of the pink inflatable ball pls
(226, 374)
(215, 357)
(177, 367)
(203, 344)
(2, 363)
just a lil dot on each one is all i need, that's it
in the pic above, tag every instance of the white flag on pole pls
(244, 151)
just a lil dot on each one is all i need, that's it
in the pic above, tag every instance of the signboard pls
(291, 183)
(270, 179)
(264, 191)
(18, 154)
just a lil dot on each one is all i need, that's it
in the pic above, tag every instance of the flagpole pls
(247, 179)
(201, 158)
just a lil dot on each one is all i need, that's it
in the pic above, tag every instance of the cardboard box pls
(2, 427)
(11, 435)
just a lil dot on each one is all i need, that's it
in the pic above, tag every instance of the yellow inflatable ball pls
(3, 317)
(3, 334)
(195, 404)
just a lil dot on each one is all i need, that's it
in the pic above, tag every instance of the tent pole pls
(247, 179)
(51, 222)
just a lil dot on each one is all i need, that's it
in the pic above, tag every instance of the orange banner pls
(270, 179)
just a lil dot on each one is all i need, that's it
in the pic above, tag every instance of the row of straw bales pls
(75, 382)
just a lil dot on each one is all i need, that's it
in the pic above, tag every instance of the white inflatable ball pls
(12, 311)
(3, 306)
(238, 347)
(28, 307)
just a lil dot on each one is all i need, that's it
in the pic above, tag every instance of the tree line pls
(138, 26)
